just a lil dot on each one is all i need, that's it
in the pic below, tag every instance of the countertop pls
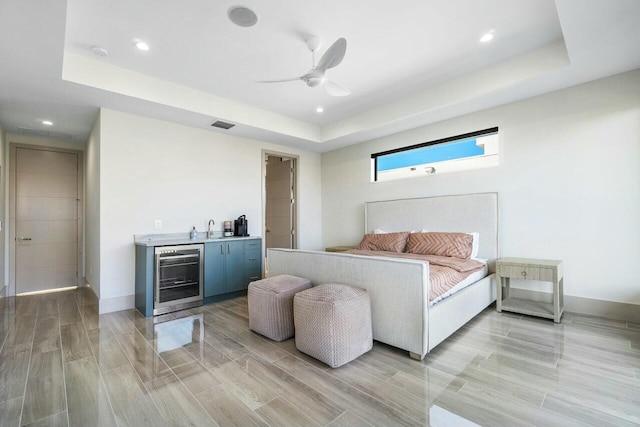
(183, 239)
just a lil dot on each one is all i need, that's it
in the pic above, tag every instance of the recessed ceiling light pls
(487, 37)
(320, 109)
(47, 122)
(141, 45)
(242, 16)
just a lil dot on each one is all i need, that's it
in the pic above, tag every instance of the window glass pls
(459, 153)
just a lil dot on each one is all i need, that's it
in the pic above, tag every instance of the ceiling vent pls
(45, 133)
(222, 125)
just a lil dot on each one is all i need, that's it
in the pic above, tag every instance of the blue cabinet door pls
(234, 267)
(214, 263)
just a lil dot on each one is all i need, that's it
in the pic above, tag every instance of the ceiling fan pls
(317, 75)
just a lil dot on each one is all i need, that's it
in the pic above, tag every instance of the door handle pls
(23, 239)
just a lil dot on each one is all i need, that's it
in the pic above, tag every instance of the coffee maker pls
(241, 226)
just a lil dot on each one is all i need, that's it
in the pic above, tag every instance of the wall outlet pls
(158, 224)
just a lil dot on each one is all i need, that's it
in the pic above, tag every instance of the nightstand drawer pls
(527, 272)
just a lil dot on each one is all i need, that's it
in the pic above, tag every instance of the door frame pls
(12, 177)
(296, 205)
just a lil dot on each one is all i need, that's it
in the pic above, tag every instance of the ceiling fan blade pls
(333, 56)
(334, 89)
(280, 81)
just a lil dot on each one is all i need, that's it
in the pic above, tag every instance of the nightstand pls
(530, 269)
(339, 248)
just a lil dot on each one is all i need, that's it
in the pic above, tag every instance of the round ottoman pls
(271, 305)
(333, 323)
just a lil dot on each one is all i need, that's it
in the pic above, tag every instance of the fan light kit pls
(47, 122)
(317, 75)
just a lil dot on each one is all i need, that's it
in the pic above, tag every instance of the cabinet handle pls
(253, 259)
(222, 249)
(253, 244)
(228, 249)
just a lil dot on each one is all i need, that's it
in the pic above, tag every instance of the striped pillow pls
(390, 242)
(457, 245)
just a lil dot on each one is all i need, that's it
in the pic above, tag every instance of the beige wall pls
(568, 183)
(151, 169)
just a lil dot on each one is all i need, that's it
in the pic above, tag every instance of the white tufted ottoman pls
(271, 305)
(333, 323)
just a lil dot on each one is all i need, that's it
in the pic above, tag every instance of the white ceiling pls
(408, 63)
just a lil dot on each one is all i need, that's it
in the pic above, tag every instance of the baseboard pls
(592, 307)
(108, 305)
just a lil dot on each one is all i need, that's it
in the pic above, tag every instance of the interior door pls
(279, 203)
(46, 220)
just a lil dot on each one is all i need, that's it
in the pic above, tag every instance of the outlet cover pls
(158, 224)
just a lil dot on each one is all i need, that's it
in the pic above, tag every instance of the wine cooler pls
(178, 278)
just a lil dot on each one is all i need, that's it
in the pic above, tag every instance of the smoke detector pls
(99, 51)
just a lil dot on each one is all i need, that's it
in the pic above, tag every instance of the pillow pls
(390, 242)
(457, 245)
(476, 243)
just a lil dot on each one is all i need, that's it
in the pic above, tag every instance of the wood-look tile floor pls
(63, 364)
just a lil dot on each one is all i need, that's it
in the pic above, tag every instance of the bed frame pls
(399, 288)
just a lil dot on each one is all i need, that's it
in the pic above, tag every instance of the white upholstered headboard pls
(467, 213)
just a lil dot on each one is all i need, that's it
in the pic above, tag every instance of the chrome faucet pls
(209, 229)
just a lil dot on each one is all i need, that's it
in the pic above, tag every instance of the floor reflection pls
(440, 417)
(179, 333)
(61, 362)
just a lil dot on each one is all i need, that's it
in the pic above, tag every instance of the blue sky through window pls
(430, 154)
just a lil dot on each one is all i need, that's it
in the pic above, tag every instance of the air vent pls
(44, 133)
(222, 125)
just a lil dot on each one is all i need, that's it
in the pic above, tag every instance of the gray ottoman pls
(271, 305)
(333, 323)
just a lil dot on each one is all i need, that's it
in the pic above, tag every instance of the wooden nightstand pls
(530, 269)
(339, 248)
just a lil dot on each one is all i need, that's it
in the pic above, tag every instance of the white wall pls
(568, 184)
(92, 209)
(152, 169)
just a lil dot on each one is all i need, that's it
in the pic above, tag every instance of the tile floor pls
(63, 364)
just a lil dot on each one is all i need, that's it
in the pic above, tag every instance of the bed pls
(402, 315)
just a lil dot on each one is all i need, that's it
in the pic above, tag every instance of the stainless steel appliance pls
(178, 278)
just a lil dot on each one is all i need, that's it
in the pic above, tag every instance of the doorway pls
(46, 218)
(280, 201)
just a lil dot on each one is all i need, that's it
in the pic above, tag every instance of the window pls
(475, 150)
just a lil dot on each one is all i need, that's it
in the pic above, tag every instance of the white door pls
(279, 198)
(46, 220)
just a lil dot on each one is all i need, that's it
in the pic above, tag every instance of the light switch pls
(158, 224)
